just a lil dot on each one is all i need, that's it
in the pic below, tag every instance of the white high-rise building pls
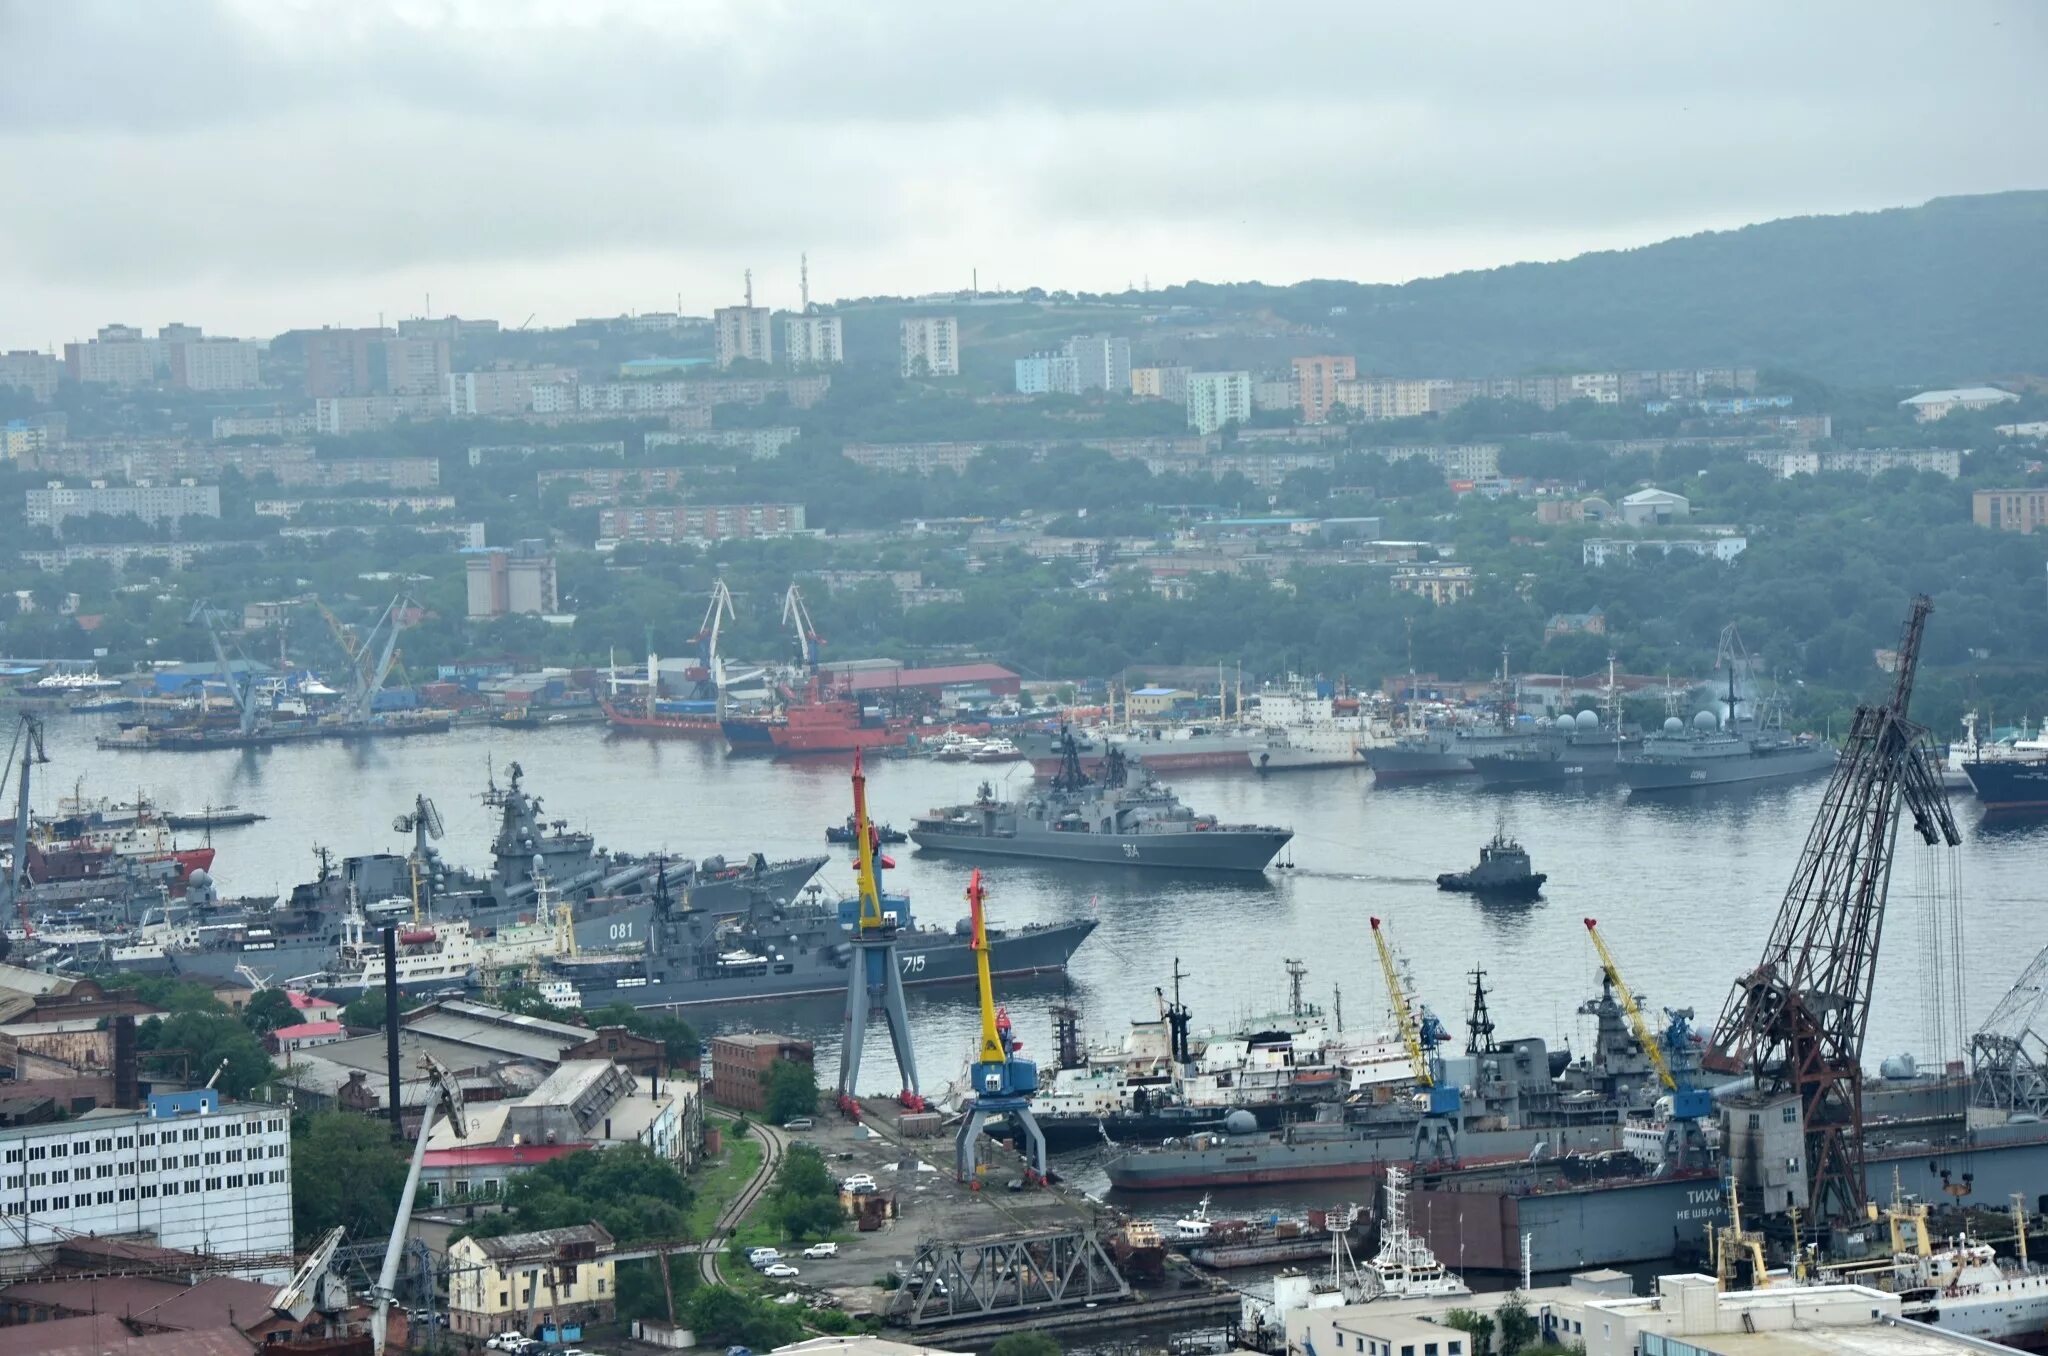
(1102, 362)
(931, 346)
(813, 341)
(1218, 398)
(190, 1170)
(744, 332)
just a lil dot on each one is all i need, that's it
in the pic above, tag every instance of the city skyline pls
(251, 168)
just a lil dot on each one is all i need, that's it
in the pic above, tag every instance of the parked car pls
(822, 1250)
(797, 1123)
(761, 1257)
(780, 1271)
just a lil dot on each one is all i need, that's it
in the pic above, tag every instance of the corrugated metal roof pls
(543, 1242)
(100, 1334)
(1959, 393)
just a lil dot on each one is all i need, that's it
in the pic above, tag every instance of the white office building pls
(931, 346)
(813, 341)
(189, 1169)
(1218, 398)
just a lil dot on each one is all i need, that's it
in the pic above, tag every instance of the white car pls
(859, 1182)
(780, 1271)
(822, 1250)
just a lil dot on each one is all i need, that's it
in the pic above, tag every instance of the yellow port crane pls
(1404, 1015)
(1419, 1037)
(1689, 1105)
(1644, 1036)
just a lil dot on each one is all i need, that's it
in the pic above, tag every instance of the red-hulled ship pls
(685, 724)
(830, 725)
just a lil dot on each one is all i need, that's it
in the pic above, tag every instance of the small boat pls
(845, 833)
(1503, 871)
(995, 751)
(1193, 1228)
(215, 817)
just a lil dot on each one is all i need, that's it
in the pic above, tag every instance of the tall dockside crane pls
(1796, 1022)
(719, 610)
(1436, 1135)
(1003, 1080)
(241, 691)
(798, 618)
(874, 976)
(1688, 1105)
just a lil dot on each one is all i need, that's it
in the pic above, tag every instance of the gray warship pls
(1737, 747)
(1117, 818)
(1577, 748)
(611, 895)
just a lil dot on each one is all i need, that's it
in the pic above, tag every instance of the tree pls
(805, 1200)
(632, 1191)
(212, 1041)
(347, 1172)
(720, 1316)
(1025, 1344)
(1517, 1328)
(792, 1090)
(267, 1011)
(1477, 1325)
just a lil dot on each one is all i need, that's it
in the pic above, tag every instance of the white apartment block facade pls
(118, 356)
(931, 346)
(1601, 551)
(194, 1172)
(1218, 398)
(1102, 362)
(214, 364)
(500, 391)
(744, 332)
(338, 416)
(813, 341)
(49, 507)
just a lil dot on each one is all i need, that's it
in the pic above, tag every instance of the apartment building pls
(214, 364)
(1602, 551)
(1101, 362)
(500, 391)
(516, 582)
(27, 370)
(1316, 379)
(700, 522)
(744, 332)
(1216, 399)
(931, 346)
(339, 416)
(51, 506)
(551, 1277)
(262, 425)
(1160, 383)
(813, 341)
(1931, 405)
(409, 367)
(338, 361)
(20, 440)
(117, 356)
(1047, 374)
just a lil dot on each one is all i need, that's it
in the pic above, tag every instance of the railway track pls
(772, 1147)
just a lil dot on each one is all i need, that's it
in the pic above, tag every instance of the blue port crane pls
(1684, 1105)
(1003, 1080)
(1436, 1134)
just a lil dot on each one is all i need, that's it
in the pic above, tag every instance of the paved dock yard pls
(931, 1204)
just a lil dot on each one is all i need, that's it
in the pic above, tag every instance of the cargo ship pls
(815, 726)
(685, 719)
(2012, 784)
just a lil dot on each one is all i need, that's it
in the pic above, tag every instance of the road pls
(772, 1145)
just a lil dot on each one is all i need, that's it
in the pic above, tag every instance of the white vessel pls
(1193, 1228)
(1302, 728)
(1963, 1287)
(1404, 1267)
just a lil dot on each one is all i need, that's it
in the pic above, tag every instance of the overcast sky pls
(252, 165)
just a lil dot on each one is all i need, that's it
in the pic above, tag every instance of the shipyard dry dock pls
(974, 1264)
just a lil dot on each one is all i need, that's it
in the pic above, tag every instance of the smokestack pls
(127, 1093)
(391, 1030)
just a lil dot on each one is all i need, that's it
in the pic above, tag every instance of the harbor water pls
(1685, 890)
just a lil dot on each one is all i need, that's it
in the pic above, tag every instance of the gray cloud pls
(245, 161)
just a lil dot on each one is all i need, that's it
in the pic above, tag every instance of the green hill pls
(1951, 291)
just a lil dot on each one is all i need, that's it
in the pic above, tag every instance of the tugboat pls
(1503, 870)
(846, 833)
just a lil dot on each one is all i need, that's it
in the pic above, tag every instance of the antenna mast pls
(750, 289)
(803, 273)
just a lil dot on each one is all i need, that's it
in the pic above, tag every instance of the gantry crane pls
(1686, 1104)
(28, 743)
(1436, 1135)
(1003, 1081)
(719, 610)
(874, 974)
(798, 617)
(443, 1094)
(1795, 1023)
(367, 680)
(242, 693)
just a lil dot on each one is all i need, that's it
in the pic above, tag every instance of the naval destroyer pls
(1124, 817)
(1731, 748)
(611, 896)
